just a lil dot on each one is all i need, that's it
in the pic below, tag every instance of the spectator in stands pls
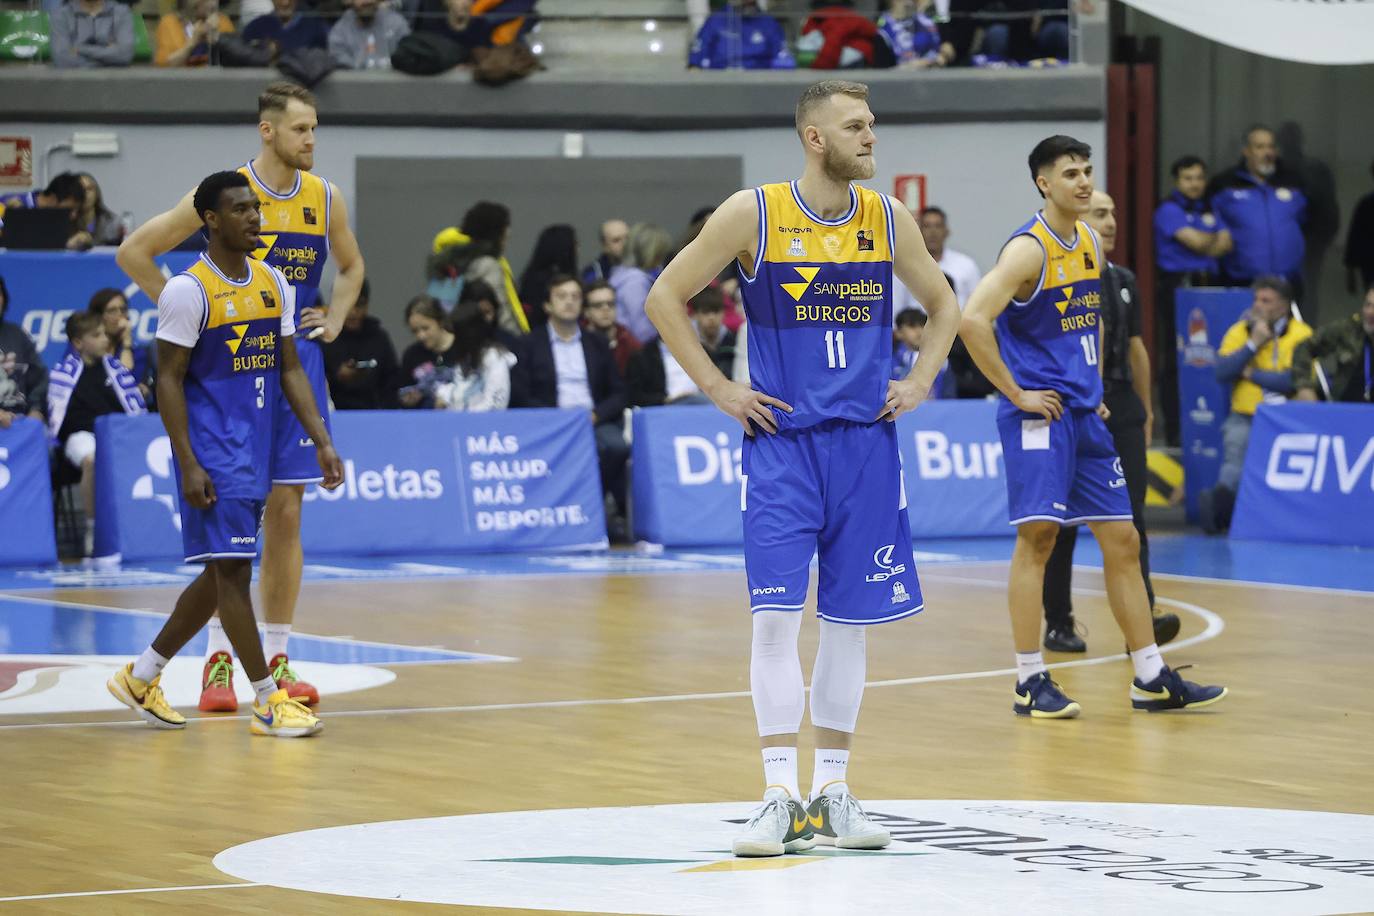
(1189, 238)
(1050, 28)
(598, 315)
(485, 297)
(1256, 359)
(959, 269)
(476, 251)
(427, 364)
(459, 25)
(613, 235)
(1345, 351)
(738, 37)
(189, 37)
(1264, 208)
(646, 251)
(87, 383)
(1359, 241)
(287, 29)
(560, 366)
(110, 306)
(23, 377)
(836, 37)
(365, 36)
(361, 362)
(101, 222)
(66, 192)
(910, 330)
(911, 37)
(555, 253)
(481, 371)
(654, 377)
(92, 33)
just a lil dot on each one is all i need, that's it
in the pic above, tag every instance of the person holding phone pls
(361, 362)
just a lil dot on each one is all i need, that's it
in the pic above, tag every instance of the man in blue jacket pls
(739, 36)
(1265, 209)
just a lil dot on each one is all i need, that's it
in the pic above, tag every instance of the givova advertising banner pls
(1309, 476)
(26, 523)
(686, 465)
(414, 482)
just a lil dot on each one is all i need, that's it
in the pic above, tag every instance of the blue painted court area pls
(1180, 554)
(31, 626)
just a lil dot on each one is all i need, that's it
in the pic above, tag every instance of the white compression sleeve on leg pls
(837, 681)
(775, 676)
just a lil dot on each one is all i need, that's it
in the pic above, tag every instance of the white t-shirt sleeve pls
(181, 311)
(288, 304)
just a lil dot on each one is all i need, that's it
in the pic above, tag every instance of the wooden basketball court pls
(632, 690)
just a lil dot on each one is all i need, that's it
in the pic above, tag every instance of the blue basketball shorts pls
(293, 451)
(228, 529)
(836, 490)
(1064, 470)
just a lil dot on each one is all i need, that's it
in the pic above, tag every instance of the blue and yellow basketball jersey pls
(819, 305)
(232, 380)
(295, 232)
(1051, 340)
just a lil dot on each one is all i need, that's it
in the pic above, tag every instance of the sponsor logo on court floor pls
(946, 856)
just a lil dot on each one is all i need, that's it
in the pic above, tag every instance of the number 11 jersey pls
(819, 304)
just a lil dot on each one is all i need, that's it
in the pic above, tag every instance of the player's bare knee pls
(284, 506)
(1118, 540)
(233, 573)
(1038, 538)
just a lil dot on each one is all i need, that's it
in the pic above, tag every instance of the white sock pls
(149, 665)
(831, 764)
(218, 641)
(1148, 663)
(780, 769)
(264, 689)
(1028, 664)
(274, 639)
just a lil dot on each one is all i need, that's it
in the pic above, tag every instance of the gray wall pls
(976, 171)
(1209, 94)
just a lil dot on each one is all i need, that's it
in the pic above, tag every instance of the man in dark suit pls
(560, 366)
(654, 378)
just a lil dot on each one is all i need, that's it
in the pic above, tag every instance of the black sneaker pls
(1065, 637)
(1171, 691)
(1166, 627)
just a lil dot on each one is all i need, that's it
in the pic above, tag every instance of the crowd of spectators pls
(906, 34)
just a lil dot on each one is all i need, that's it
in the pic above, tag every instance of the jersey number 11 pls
(834, 349)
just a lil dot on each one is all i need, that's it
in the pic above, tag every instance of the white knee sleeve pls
(837, 682)
(775, 675)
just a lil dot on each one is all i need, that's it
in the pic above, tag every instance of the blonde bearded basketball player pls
(304, 223)
(816, 258)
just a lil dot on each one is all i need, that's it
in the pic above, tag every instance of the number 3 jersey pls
(234, 330)
(819, 306)
(1051, 340)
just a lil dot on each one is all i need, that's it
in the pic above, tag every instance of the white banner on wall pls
(1307, 31)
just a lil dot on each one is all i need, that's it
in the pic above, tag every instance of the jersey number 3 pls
(834, 350)
(261, 384)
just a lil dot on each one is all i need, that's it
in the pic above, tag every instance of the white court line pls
(134, 890)
(1215, 626)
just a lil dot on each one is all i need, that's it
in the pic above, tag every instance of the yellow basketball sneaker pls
(144, 698)
(283, 717)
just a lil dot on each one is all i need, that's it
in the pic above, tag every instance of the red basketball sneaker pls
(286, 679)
(217, 685)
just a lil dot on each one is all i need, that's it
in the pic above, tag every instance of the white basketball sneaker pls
(779, 826)
(839, 820)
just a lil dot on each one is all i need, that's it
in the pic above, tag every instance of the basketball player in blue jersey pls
(816, 259)
(226, 351)
(305, 222)
(1033, 325)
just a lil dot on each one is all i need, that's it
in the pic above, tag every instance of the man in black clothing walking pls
(1126, 393)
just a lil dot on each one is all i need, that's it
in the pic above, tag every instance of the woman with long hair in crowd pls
(646, 251)
(427, 364)
(555, 252)
(481, 368)
(96, 218)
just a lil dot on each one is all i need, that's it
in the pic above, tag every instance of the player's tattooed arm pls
(196, 486)
(157, 236)
(296, 387)
(730, 234)
(919, 273)
(1014, 276)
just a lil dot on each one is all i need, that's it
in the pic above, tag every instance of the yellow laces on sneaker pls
(296, 707)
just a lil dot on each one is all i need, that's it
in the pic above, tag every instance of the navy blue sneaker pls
(1040, 698)
(1171, 691)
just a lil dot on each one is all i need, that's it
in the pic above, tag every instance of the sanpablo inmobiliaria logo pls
(946, 857)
